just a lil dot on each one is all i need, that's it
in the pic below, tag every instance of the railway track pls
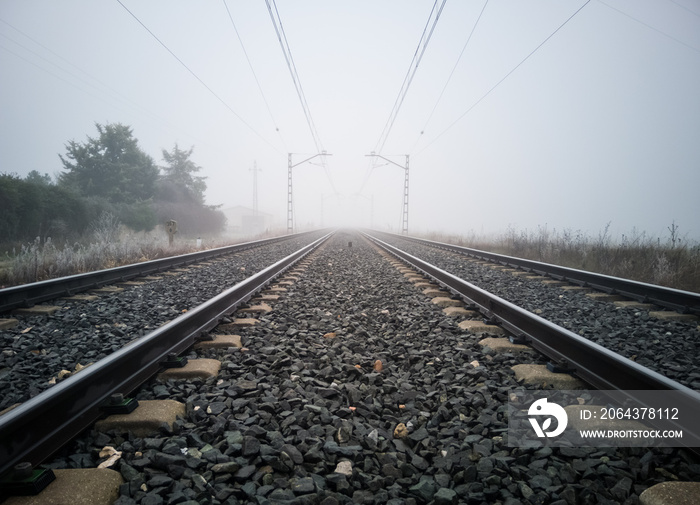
(314, 408)
(661, 340)
(684, 302)
(52, 340)
(27, 295)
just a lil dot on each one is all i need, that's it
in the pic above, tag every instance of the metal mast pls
(404, 214)
(290, 205)
(290, 211)
(404, 226)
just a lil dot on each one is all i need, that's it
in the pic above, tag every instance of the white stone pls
(344, 467)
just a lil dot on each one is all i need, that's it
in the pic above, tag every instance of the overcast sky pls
(601, 123)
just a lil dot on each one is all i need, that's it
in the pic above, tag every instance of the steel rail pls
(37, 428)
(596, 365)
(675, 299)
(26, 295)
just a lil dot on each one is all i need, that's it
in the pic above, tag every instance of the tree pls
(111, 166)
(35, 177)
(10, 202)
(181, 196)
(179, 177)
(32, 209)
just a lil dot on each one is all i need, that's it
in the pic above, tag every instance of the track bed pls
(303, 414)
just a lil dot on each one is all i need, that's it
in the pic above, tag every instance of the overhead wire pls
(97, 96)
(255, 75)
(211, 91)
(684, 7)
(406, 79)
(403, 91)
(504, 77)
(43, 69)
(449, 78)
(53, 63)
(291, 65)
(412, 68)
(116, 95)
(284, 44)
(651, 27)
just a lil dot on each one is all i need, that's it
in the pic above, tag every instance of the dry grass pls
(108, 245)
(668, 262)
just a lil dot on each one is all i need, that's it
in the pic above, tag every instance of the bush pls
(30, 209)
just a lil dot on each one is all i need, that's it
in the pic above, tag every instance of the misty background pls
(564, 114)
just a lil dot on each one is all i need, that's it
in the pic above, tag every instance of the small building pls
(245, 222)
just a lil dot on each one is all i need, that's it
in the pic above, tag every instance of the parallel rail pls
(27, 295)
(34, 430)
(591, 362)
(674, 299)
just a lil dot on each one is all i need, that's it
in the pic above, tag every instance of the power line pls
(59, 57)
(404, 87)
(452, 72)
(49, 71)
(286, 50)
(116, 94)
(282, 37)
(504, 78)
(197, 77)
(651, 27)
(101, 96)
(267, 105)
(684, 7)
(412, 68)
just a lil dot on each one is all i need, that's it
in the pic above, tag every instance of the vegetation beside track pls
(106, 208)
(43, 259)
(671, 261)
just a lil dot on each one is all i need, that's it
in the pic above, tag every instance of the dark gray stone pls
(152, 499)
(244, 473)
(286, 417)
(425, 489)
(445, 496)
(250, 446)
(303, 485)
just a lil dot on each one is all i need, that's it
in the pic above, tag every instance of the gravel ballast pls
(668, 347)
(39, 348)
(356, 389)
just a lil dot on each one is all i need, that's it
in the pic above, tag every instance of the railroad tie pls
(201, 368)
(146, 419)
(37, 310)
(220, 342)
(82, 486)
(499, 345)
(671, 493)
(7, 323)
(533, 375)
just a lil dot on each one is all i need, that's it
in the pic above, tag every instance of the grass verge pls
(673, 262)
(43, 259)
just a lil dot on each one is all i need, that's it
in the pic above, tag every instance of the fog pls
(544, 122)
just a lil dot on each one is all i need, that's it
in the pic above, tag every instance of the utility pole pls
(255, 171)
(290, 205)
(404, 226)
(404, 223)
(290, 208)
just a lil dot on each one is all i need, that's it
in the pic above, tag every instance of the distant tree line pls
(109, 173)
